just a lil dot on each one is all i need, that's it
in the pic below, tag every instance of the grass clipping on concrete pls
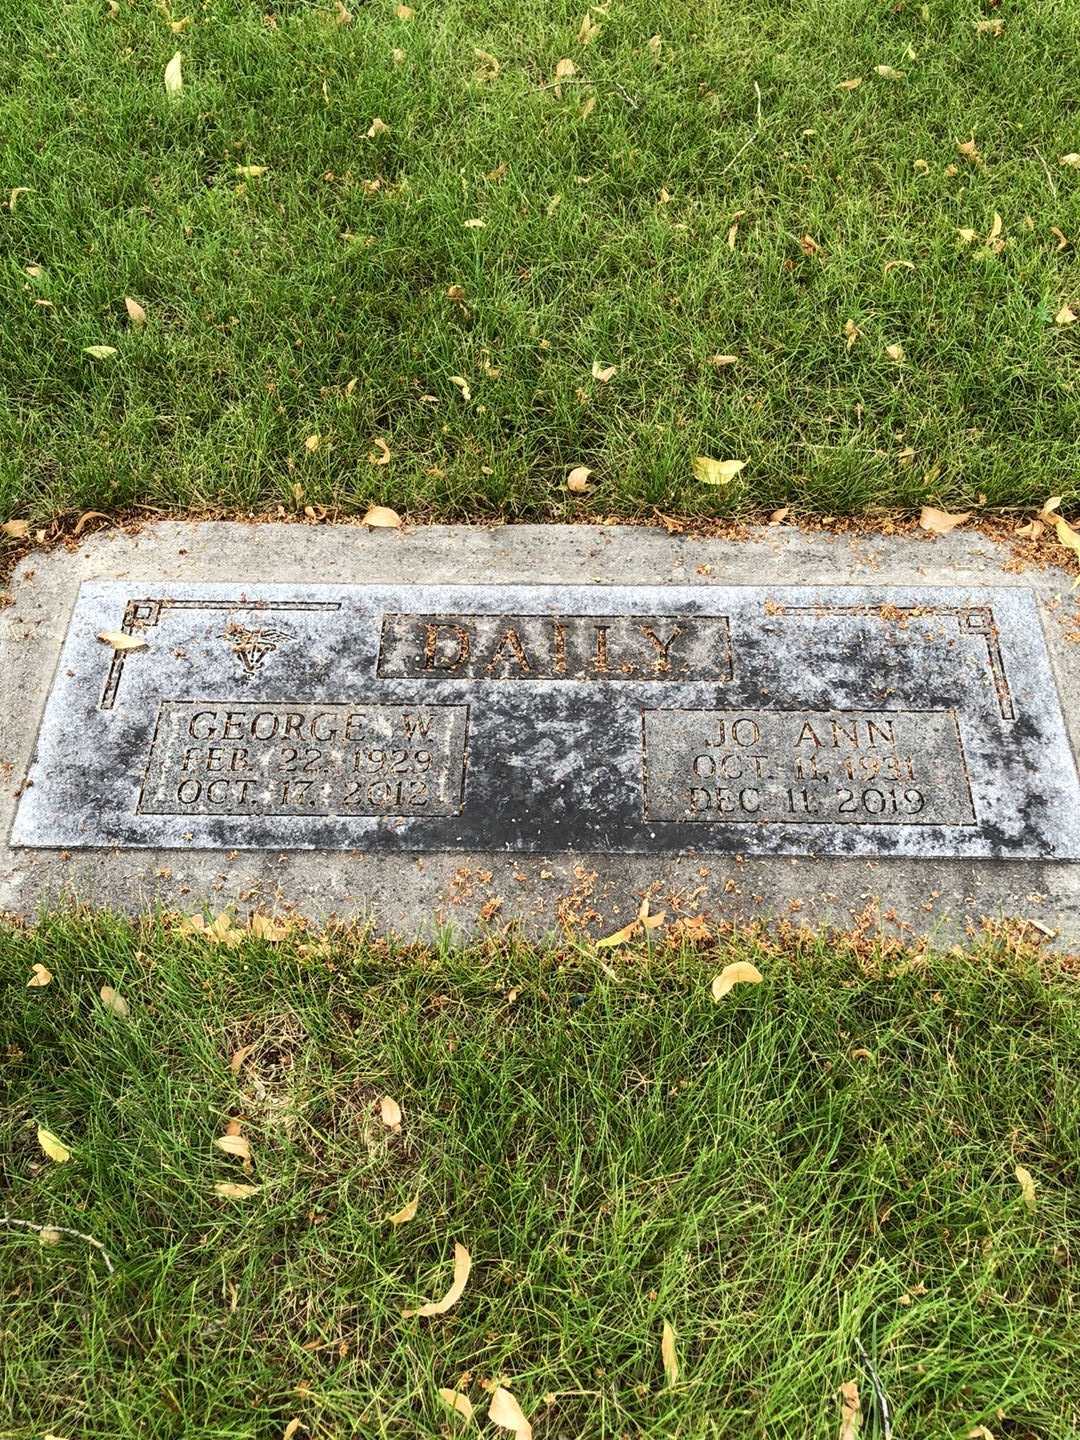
(443, 257)
(621, 1207)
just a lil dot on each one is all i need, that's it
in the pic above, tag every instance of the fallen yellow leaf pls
(404, 12)
(601, 372)
(969, 150)
(716, 472)
(475, 223)
(53, 1146)
(720, 361)
(980, 1432)
(390, 1112)
(578, 479)
(235, 1190)
(380, 517)
(378, 126)
(1026, 1182)
(1072, 159)
(895, 352)
(237, 1145)
(739, 972)
(852, 84)
(39, 977)
(462, 1266)
(667, 1352)
(850, 1411)
(16, 529)
(1067, 536)
(121, 641)
(463, 385)
(114, 1002)
(1065, 316)
(290, 1429)
(174, 78)
(405, 1214)
(618, 937)
(505, 1412)
(588, 31)
(940, 522)
(100, 352)
(457, 1401)
(136, 313)
(888, 73)
(251, 172)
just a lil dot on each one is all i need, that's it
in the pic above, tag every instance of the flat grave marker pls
(883, 721)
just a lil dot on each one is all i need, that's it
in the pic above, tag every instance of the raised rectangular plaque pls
(917, 722)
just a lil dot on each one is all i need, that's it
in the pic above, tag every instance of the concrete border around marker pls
(414, 895)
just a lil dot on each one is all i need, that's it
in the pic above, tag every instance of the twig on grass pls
(584, 80)
(61, 1230)
(756, 135)
(879, 1392)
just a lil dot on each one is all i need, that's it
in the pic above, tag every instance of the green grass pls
(613, 1155)
(267, 296)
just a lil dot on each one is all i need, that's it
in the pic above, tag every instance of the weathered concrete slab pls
(758, 720)
(1020, 802)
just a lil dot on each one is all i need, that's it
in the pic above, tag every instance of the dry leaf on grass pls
(237, 1145)
(462, 1266)
(235, 1190)
(647, 921)
(588, 30)
(667, 1352)
(740, 972)
(290, 1429)
(85, 518)
(15, 529)
(505, 1411)
(578, 479)
(53, 1146)
(940, 522)
(721, 361)
(136, 313)
(239, 1056)
(716, 472)
(602, 372)
(380, 517)
(265, 927)
(404, 12)
(174, 77)
(1072, 160)
(896, 353)
(1065, 316)
(100, 352)
(378, 126)
(1067, 536)
(850, 1411)
(390, 1112)
(114, 1002)
(1026, 1181)
(980, 1432)
(888, 73)
(251, 172)
(851, 332)
(457, 1401)
(852, 84)
(120, 641)
(405, 1214)
(39, 977)
(618, 937)
(381, 453)
(13, 196)
(969, 150)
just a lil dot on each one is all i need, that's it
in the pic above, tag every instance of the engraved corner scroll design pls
(140, 615)
(971, 619)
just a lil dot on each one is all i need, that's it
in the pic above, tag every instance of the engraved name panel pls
(556, 647)
(895, 767)
(852, 721)
(235, 758)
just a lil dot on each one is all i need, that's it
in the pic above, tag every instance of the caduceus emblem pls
(253, 646)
